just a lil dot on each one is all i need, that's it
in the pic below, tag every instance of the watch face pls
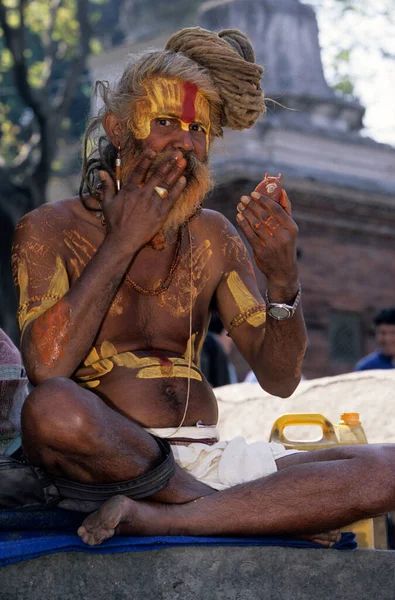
(279, 312)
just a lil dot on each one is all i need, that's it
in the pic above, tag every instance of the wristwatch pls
(281, 311)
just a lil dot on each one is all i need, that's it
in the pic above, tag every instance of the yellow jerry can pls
(370, 533)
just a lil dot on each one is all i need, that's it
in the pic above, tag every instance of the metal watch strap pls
(282, 305)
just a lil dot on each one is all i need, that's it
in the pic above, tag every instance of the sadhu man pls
(115, 291)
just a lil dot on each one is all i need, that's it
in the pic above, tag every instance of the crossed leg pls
(72, 433)
(314, 491)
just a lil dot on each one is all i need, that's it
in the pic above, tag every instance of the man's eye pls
(164, 122)
(196, 127)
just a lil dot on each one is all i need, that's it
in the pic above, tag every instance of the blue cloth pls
(51, 519)
(376, 360)
(17, 545)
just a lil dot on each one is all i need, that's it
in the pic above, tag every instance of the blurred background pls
(330, 130)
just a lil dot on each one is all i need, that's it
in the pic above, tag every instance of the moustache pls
(191, 171)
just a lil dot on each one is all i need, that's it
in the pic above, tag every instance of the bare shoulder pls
(224, 237)
(215, 226)
(228, 248)
(48, 220)
(216, 222)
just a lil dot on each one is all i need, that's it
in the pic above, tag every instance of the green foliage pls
(51, 36)
(352, 33)
(343, 55)
(345, 86)
(9, 142)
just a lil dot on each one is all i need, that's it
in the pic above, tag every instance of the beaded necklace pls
(166, 284)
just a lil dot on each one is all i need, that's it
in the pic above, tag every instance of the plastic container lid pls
(350, 418)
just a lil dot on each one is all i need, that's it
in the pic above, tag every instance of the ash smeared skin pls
(81, 249)
(82, 252)
(235, 251)
(177, 298)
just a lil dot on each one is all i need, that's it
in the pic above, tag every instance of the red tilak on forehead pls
(188, 105)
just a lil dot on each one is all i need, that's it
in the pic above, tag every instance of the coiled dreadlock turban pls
(229, 60)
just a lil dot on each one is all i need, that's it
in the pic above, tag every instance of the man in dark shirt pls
(214, 360)
(384, 357)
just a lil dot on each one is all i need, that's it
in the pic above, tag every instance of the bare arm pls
(273, 349)
(268, 226)
(278, 364)
(59, 324)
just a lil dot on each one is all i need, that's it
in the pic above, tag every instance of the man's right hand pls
(136, 214)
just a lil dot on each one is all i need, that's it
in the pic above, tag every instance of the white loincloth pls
(223, 464)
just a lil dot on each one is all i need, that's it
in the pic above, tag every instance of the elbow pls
(39, 373)
(37, 370)
(286, 392)
(281, 389)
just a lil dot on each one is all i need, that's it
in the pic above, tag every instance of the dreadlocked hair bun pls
(229, 59)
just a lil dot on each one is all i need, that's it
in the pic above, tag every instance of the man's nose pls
(183, 141)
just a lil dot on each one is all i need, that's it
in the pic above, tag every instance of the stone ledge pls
(205, 574)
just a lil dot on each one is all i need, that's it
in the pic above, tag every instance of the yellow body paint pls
(57, 288)
(149, 367)
(244, 299)
(156, 373)
(170, 97)
(200, 346)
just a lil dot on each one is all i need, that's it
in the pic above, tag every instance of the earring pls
(118, 168)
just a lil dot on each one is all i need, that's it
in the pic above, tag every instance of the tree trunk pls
(14, 203)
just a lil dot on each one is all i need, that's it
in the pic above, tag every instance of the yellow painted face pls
(171, 98)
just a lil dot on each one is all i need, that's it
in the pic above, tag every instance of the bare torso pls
(150, 337)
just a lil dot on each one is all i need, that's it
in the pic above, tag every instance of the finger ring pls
(162, 192)
(257, 225)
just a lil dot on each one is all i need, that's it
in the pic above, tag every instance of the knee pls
(52, 412)
(378, 473)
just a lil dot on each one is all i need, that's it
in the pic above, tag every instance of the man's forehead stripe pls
(166, 96)
(188, 114)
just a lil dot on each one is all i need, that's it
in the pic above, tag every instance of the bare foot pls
(326, 539)
(101, 525)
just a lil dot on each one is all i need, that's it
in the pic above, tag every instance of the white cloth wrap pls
(224, 464)
(198, 432)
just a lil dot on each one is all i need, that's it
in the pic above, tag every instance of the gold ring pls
(162, 192)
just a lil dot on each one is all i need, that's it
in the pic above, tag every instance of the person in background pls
(214, 360)
(384, 357)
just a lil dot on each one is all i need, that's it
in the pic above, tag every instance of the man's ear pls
(113, 128)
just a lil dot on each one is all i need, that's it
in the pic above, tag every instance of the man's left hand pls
(272, 233)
